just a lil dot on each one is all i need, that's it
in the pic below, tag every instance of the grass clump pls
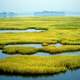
(51, 49)
(19, 50)
(63, 48)
(1, 46)
(39, 65)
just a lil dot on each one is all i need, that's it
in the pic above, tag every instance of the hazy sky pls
(39, 5)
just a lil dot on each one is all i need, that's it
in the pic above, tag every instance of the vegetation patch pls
(64, 30)
(19, 50)
(64, 48)
(1, 46)
(31, 50)
(48, 37)
(40, 22)
(38, 65)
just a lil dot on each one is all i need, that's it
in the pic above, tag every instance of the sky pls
(22, 6)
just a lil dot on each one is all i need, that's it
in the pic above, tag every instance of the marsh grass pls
(39, 65)
(64, 48)
(40, 22)
(19, 50)
(48, 37)
(51, 49)
(65, 30)
(2, 46)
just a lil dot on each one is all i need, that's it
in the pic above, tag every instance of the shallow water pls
(2, 55)
(69, 75)
(15, 31)
(76, 53)
(58, 45)
(41, 54)
(27, 45)
(34, 45)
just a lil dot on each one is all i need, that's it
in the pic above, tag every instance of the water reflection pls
(76, 53)
(2, 55)
(16, 31)
(27, 45)
(69, 75)
(41, 54)
(58, 45)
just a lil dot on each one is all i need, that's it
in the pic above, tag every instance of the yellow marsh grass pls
(40, 22)
(50, 49)
(19, 50)
(50, 36)
(65, 30)
(39, 65)
(64, 48)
